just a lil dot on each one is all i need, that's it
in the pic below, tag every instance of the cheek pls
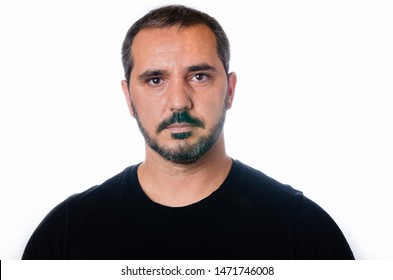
(216, 104)
(211, 111)
(149, 114)
(147, 107)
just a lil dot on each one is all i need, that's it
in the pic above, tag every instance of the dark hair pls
(171, 15)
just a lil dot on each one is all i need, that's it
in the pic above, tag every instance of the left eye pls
(200, 77)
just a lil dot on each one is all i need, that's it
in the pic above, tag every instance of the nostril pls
(180, 110)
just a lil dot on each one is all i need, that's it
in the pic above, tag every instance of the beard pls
(183, 153)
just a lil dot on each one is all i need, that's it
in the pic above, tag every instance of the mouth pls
(180, 127)
(180, 122)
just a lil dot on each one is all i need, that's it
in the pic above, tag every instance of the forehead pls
(174, 43)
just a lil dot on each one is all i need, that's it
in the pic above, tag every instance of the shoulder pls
(96, 200)
(261, 186)
(261, 198)
(81, 210)
(109, 190)
(251, 181)
(315, 233)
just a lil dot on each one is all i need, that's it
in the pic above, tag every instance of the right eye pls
(154, 81)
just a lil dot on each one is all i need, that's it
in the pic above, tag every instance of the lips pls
(180, 127)
(180, 121)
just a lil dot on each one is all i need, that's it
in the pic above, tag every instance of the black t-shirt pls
(250, 216)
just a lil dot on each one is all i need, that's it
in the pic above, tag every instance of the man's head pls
(177, 85)
(168, 16)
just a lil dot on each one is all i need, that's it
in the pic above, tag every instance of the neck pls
(176, 185)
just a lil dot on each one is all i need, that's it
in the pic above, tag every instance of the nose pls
(179, 96)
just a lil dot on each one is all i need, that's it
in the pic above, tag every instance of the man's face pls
(179, 91)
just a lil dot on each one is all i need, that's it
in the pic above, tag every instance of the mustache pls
(180, 117)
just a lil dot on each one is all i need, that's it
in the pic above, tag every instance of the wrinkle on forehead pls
(161, 48)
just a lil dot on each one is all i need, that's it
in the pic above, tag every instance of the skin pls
(178, 69)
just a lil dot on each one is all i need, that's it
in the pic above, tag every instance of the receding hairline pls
(172, 15)
(180, 28)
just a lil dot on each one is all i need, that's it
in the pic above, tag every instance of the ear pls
(232, 79)
(127, 95)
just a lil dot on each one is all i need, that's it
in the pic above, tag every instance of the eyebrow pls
(151, 73)
(201, 67)
(193, 68)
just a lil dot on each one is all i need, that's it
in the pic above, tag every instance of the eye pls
(200, 77)
(155, 81)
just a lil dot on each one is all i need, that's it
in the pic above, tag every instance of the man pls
(188, 199)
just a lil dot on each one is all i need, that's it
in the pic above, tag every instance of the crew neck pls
(191, 207)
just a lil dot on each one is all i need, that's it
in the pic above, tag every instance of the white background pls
(313, 105)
